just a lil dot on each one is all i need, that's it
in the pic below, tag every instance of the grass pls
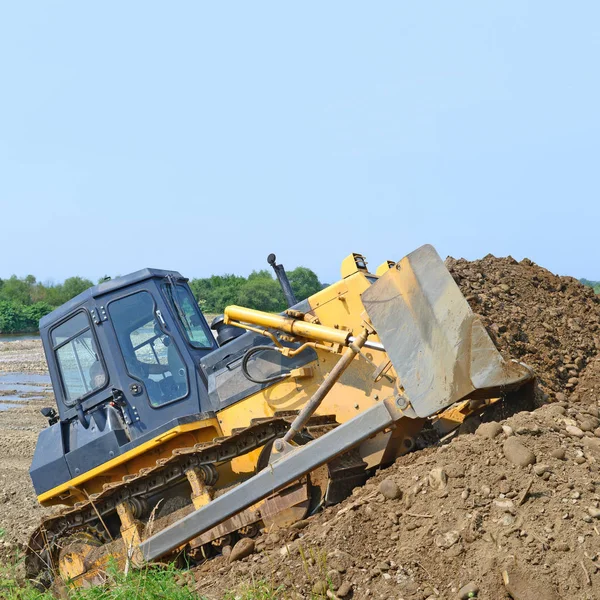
(151, 583)
(156, 582)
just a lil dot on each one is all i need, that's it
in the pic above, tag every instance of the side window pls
(78, 360)
(150, 354)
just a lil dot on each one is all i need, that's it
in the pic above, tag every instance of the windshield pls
(189, 315)
(150, 354)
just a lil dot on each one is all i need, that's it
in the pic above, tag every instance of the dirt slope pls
(549, 322)
(467, 511)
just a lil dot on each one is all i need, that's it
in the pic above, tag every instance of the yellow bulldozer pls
(171, 440)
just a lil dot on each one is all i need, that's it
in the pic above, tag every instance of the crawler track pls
(89, 516)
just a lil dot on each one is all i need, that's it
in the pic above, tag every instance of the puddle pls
(23, 388)
(30, 378)
(19, 384)
(14, 337)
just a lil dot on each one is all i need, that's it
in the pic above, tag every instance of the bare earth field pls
(19, 428)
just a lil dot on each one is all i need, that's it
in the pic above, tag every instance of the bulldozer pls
(172, 439)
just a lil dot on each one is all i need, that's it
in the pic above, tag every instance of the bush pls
(18, 318)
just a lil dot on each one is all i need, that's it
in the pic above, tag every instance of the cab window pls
(150, 354)
(78, 360)
(188, 313)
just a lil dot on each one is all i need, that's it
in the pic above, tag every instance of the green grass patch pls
(151, 583)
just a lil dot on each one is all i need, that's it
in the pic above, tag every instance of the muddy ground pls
(19, 428)
(509, 508)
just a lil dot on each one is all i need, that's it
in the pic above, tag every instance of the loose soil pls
(19, 428)
(513, 507)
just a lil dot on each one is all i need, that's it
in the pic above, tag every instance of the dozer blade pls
(280, 473)
(438, 346)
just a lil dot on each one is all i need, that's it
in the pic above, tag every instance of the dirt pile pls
(551, 323)
(520, 497)
(514, 507)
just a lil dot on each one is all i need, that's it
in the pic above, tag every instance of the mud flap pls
(438, 346)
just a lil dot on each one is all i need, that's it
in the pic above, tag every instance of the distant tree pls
(11, 318)
(261, 293)
(304, 282)
(216, 292)
(17, 290)
(592, 284)
(259, 290)
(34, 312)
(74, 286)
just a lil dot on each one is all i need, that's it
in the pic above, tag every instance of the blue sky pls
(202, 136)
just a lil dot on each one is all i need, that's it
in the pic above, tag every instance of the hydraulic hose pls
(251, 352)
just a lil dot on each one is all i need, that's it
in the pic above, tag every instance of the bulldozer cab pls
(123, 359)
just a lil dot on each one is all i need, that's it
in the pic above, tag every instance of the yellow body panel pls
(144, 455)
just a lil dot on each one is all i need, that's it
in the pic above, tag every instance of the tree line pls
(593, 284)
(24, 300)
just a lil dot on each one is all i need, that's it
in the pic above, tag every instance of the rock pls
(561, 547)
(320, 588)
(468, 591)
(389, 489)
(446, 540)
(344, 589)
(489, 430)
(456, 470)
(540, 469)
(587, 425)
(334, 578)
(504, 487)
(558, 453)
(592, 444)
(594, 512)
(574, 431)
(340, 561)
(593, 410)
(521, 586)
(300, 524)
(517, 453)
(506, 505)
(556, 410)
(243, 548)
(560, 397)
(597, 432)
(508, 430)
(438, 478)
(288, 550)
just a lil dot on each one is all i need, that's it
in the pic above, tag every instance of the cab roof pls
(104, 288)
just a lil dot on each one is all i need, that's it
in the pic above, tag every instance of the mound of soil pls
(552, 323)
(518, 499)
(511, 511)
